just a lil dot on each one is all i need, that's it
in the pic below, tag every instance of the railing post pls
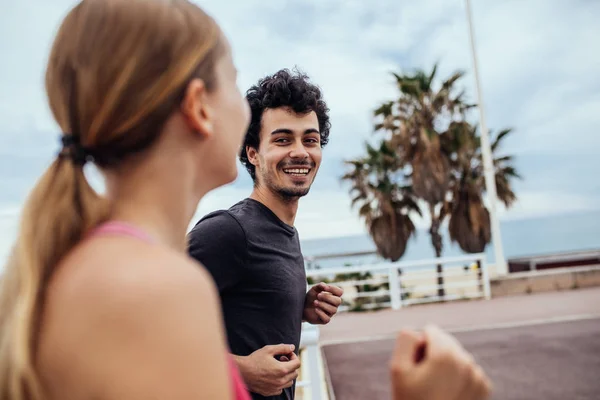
(395, 295)
(479, 277)
(532, 265)
(487, 293)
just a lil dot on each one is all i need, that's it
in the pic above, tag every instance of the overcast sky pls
(539, 68)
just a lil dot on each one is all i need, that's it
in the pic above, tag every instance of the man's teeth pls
(296, 171)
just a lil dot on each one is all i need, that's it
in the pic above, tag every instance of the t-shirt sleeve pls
(219, 243)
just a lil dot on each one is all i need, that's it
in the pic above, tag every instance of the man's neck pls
(284, 209)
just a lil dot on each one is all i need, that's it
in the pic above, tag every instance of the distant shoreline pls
(502, 222)
(521, 238)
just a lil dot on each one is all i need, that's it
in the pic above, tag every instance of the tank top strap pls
(121, 228)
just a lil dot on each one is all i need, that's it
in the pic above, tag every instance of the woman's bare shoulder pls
(138, 305)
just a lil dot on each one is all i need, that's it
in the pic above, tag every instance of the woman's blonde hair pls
(117, 70)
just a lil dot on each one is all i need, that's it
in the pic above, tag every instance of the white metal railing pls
(410, 282)
(311, 370)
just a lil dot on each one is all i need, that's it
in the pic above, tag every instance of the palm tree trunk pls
(436, 241)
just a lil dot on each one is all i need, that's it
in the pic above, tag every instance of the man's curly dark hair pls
(283, 89)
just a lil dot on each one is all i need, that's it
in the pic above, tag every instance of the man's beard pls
(288, 193)
(292, 193)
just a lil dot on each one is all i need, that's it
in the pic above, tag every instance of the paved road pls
(523, 342)
(461, 315)
(553, 361)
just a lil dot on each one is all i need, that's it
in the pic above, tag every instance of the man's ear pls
(196, 110)
(252, 155)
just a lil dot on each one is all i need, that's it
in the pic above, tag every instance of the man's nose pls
(298, 150)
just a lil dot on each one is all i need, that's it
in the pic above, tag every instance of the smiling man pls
(253, 250)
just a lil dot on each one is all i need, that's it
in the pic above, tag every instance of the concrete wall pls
(545, 281)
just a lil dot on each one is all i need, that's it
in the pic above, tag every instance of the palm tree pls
(415, 124)
(469, 224)
(384, 205)
(428, 155)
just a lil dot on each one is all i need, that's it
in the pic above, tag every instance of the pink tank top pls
(121, 228)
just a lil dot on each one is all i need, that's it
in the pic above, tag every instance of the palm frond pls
(504, 190)
(509, 171)
(385, 109)
(448, 83)
(503, 159)
(432, 74)
(498, 139)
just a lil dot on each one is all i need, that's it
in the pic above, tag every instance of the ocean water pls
(560, 233)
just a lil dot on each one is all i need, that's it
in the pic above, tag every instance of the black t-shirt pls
(257, 264)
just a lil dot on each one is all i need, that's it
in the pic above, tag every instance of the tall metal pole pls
(486, 152)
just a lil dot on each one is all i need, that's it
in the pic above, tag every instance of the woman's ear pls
(195, 109)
